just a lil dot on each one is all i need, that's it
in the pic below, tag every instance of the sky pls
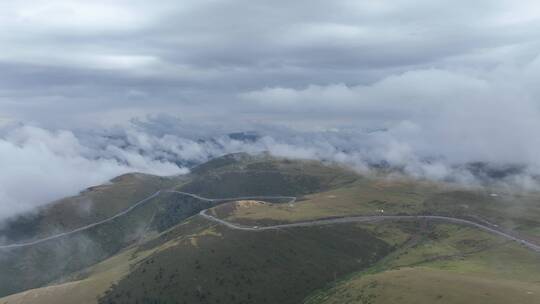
(398, 81)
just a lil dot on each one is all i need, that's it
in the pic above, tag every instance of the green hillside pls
(93, 204)
(243, 175)
(34, 266)
(443, 264)
(419, 285)
(164, 252)
(199, 262)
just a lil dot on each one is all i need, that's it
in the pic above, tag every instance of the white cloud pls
(409, 92)
(81, 15)
(39, 166)
(458, 115)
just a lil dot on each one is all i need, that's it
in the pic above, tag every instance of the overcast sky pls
(344, 61)
(399, 81)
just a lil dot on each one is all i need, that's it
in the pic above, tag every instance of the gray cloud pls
(116, 59)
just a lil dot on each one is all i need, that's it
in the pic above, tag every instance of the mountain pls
(229, 232)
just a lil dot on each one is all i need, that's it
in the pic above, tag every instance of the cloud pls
(194, 58)
(431, 112)
(39, 166)
(413, 91)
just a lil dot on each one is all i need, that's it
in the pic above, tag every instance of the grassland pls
(519, 212)
(442, 264)
(437, 255)
(48, 262)
(93, 204)
(173, 260)
(364, 196)
(199, 262)
(376, 195)
(427, 285)
(243, 175)
(83, 287)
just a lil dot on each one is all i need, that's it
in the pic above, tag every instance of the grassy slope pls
(91, 205)
(31, 267)
(445, 263)
(441, 254)
(199, 262)
(48, 262)
(187, 261)
(515, 211)
(368, 195)
(85, 287)
(426, 285)
(234, 266)
(450, 251)
(243, 175)
(447, 248)
(364, 196)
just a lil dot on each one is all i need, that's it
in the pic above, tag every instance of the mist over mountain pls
(41, 165)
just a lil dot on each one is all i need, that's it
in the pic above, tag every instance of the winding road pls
(290, 200)
(131, 208)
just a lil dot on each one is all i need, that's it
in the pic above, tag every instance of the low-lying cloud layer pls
(41, 165)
